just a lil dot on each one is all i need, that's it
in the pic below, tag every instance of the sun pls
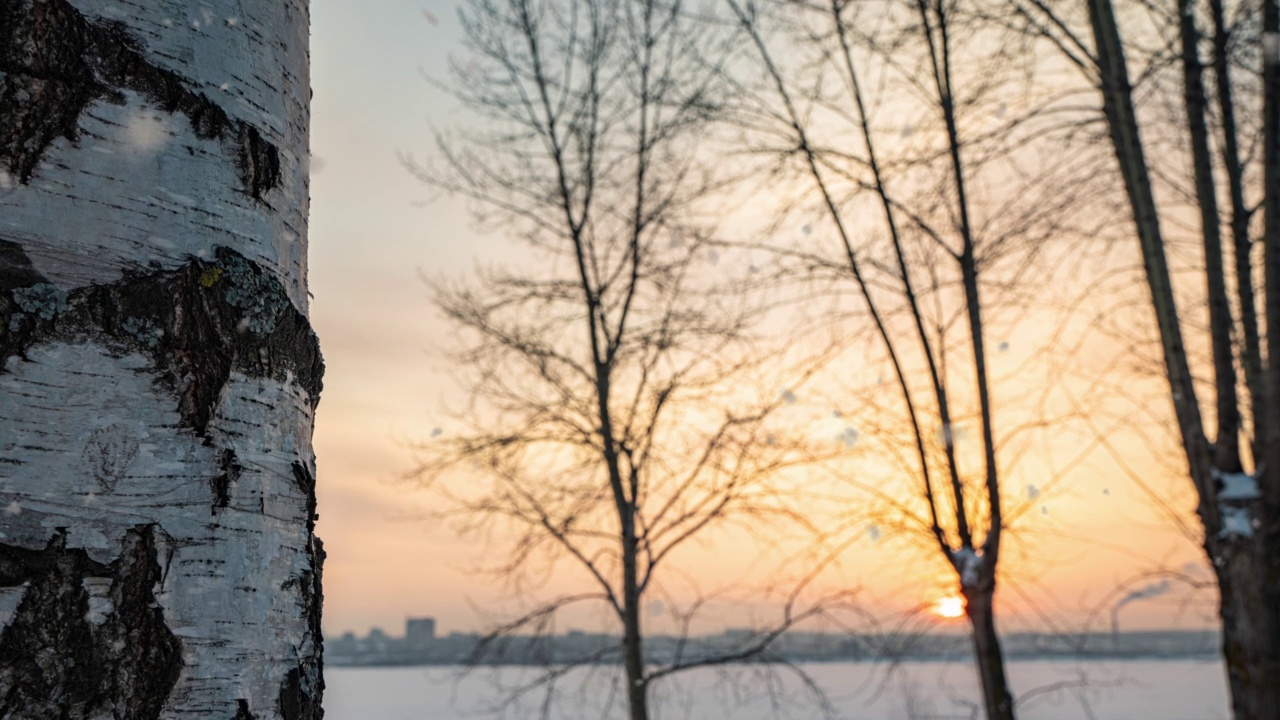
(949, 607)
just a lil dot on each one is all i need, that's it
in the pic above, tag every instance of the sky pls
(373, 239)
(370, 242)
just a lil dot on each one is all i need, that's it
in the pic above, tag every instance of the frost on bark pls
(158, 374)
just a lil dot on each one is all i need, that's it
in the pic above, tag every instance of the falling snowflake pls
(1237, 486)
(1236, 521)
(1003, 347)
(713, 257)
(969, 562)
(849, 437)
(13, 509)
(146, 131)
(806, 229)
(1033, 492)
(788, 397)
(232, 22)
(873, 532)
(437, 432)
(1271, 48)
(906, 131)
(431, 17)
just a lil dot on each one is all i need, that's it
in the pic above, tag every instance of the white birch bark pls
(158, 375)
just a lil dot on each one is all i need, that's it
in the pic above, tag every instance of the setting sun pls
(949, 607)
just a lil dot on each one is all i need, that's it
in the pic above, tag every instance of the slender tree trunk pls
(980, 607)
(1221, 324)
(158, 374)
(1122, 124)
(632, 642)
(1251, 348)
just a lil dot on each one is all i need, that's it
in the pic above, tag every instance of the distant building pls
(420, 633)
(376, 642)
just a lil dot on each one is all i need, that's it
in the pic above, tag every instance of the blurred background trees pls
(1190, 98)
(620, 396)
(943, 159)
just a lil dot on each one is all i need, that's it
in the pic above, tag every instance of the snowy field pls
(1050, 690)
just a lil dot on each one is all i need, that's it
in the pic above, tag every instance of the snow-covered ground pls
(1050, 690)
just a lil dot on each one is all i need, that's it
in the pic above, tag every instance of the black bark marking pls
(302, 692)
(19, 565)
(143, 656)
(56, 62)
(221, 484)
(16, 273)
(259, 162)
(197, 323)
(295, 702)
(306, 482)
(16, 270)
(54, 663)
(242, 711)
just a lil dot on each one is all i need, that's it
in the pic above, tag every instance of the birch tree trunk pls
(158, 374)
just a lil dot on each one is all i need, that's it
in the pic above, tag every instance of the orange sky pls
(384, 387)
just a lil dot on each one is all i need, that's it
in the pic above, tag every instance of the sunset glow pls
(388, 385)
(949, 607)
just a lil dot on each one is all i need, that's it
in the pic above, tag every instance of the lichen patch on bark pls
(55, 62)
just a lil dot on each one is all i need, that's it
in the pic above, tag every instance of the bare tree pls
(965, 206)
(619, 409)
(1229, 349)
(158, 374)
